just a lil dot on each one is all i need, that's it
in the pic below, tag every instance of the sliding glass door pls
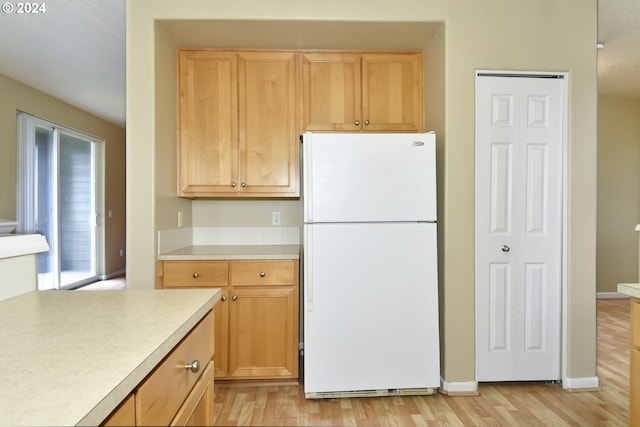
(59, 188)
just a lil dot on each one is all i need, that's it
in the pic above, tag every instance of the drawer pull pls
(193, 366)
(262, 274)
(195, 275)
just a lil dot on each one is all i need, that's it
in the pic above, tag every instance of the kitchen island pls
(70, 358)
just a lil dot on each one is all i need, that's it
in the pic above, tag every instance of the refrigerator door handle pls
(308, 267)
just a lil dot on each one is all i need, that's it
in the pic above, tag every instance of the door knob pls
(505, 248)
(193, 366)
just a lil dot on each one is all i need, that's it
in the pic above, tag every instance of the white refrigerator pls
(370, 265)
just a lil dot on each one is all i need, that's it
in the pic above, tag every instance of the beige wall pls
(492, 34)
(166, 202)
(16, 96)
(618, 195)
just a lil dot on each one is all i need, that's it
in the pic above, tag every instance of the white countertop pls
(631, 289)
(228, 252)
(71, 357)
(12, 245)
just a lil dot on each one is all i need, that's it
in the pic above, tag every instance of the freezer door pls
(371, 307)
(369, 177)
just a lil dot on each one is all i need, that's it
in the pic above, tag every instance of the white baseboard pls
(458, 387)
(610, 295)
(112, 275)
(578, 384)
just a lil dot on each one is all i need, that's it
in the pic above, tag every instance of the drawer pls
(193, 274)
(252, 273)
(197, 410)
(635, 322)
(162, 393)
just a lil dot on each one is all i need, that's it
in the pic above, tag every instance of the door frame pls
(25, 185)
(564, 174)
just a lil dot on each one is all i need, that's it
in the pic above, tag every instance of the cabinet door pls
(263, 332)
(331, 91)
(208, 124)
(393, 92)
(268, 137)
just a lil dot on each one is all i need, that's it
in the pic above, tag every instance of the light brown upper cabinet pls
(237, 132)
(357, 91)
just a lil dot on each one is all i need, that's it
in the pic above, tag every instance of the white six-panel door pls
(519, 137)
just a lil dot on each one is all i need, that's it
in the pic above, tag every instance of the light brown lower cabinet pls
(256, 323)
(179, 391)
(197, 409)
(124, 414)
(634, 374)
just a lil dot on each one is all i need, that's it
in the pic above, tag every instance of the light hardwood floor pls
(500, 404)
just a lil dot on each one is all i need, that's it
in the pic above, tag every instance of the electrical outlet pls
(275, 218)
(180, 219)
(121, 252)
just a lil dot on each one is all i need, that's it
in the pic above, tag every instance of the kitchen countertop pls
(12, 245)
(71, 357)
(239, 252)
(631, 289)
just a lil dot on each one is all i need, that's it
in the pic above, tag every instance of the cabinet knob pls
(195, 275)
(357, 122)
(262, 274)
(235, 297)
(223, 298)
(193, 366)
(505, 248)
(366, 122)
(244, 184)
(233, 184)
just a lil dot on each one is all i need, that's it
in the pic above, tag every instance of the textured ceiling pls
(75, 51)
(619, 60)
